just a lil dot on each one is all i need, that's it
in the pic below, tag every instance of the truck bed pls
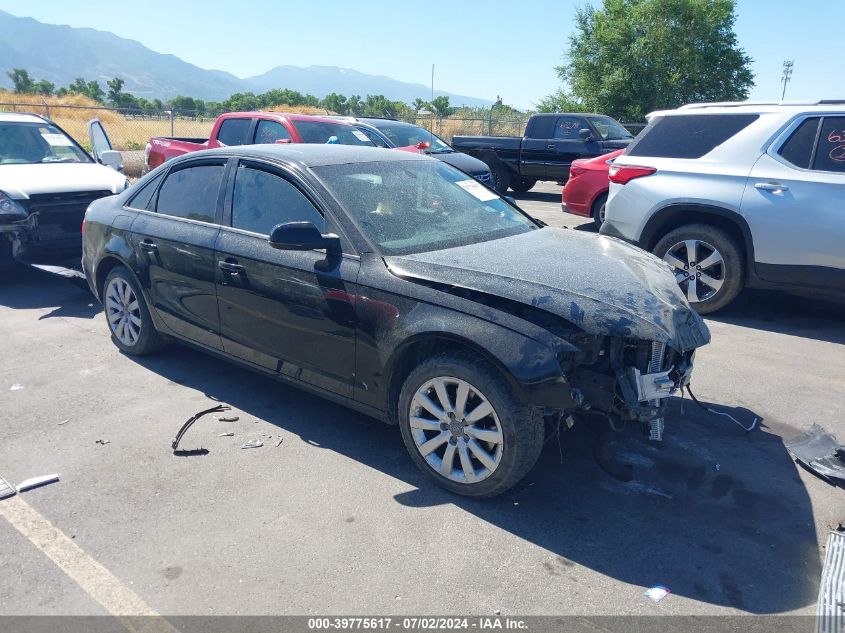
(486, 142)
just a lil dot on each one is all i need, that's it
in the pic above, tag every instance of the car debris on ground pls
(830, 611)
(657, 593)
(253, 444)
(103, 442)
(218, 409)
(821, 453)
(279, 443)
(228, 418)
(35, 482)
(229, 434)
(6, 489)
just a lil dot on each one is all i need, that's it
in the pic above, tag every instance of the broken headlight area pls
(12, 213)
(627, 380)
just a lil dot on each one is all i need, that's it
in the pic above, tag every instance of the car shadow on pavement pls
(535, 196)
(772, 311)
(715, 514)
(26, 288)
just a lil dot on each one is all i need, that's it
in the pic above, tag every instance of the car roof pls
(313, 155)
(375, 122)
(750, 107)
(19, 117)
(291, 116)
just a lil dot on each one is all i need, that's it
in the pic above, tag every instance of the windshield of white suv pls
(609, 129)
(31, 143)
(417, 206)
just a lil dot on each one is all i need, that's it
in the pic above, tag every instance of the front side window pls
(191, 193)
(144, 199)
(263, 200)
(270, 132)
(830, 151)
(688, 135)
(410, 135)
(234, 132)
(568, 127)
(413, 206)
(610, 129)
(798, 148)
(31, 143)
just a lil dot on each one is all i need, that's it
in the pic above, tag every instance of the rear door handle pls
(551, 145)
(231, 268)
(148, 247)
(774, 187)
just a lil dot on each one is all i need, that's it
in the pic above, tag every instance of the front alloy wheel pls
(456, 430)
(123, 312)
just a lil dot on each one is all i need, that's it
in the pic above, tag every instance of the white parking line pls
(97, 581)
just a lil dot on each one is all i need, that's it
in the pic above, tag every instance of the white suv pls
(737, 194)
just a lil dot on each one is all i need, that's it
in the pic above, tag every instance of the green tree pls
(420, 104)
(21, 80)
(335, 103)
(354, 105)
(115, 90)
(44, 87)
(634, 56)
(560, 101)
(380, 106)
(90, 89)
(440, 106)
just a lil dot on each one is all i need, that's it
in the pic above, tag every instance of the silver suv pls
(737, 194)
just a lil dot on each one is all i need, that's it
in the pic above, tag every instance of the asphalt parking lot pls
(338, 520)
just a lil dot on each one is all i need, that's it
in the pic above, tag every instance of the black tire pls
(522, 428)
(148, 339)
(521, 185)
(501, 179)
(732, 269)
(598, 210)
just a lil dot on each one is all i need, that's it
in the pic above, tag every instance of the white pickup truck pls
(47, 181)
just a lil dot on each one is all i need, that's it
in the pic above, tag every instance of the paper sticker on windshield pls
(477, 189)
(360, 136)
(57, 140)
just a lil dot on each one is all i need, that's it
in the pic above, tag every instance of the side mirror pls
(585, 134)
(111, 158)
(303, 236)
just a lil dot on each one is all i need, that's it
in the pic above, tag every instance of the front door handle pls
(231, 268)
(148, 247)
(774, 187)
(551, 145)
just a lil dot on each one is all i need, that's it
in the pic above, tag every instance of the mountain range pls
(60, 54)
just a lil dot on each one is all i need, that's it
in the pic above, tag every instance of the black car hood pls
(464, 162)
(600, 284)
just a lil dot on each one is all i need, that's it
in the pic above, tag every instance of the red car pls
(585, 192)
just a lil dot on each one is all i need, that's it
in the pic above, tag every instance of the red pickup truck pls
(248, 128)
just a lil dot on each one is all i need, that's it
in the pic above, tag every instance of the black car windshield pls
(419, 205)
(328, 132)
(408, 135)
(609, 129)
(31, 143)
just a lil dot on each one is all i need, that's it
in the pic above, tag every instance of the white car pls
(47, 181)
(737, 194)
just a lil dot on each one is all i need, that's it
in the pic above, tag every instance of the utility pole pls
(787, 75)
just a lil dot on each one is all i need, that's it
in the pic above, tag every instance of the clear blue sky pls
(479, 48)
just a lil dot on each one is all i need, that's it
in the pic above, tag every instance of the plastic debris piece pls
(819, 452)
(657, 593)
(218, 409)
(103, 442)
(253, 444)
(279, 443)
(63, 422)
(6, 489)
(16, 387)
(34, 482)
(228, 418)
(230, 434)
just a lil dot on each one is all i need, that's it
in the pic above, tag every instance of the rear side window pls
(191, 193)
(688, 135)
(270, 132)
(567, 128)
(798, 148)
(830, 152)
(262, 200)
(540, 127)
(144, 199)
(234, 132)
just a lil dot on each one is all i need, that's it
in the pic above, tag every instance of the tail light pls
(576, 170)
(623, 174)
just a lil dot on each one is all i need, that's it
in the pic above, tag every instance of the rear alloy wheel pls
(465, 429)
(127, 315)
(521, 185)
(707, 263)
(598, 210)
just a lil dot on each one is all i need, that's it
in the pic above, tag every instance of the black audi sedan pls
(397, 285)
